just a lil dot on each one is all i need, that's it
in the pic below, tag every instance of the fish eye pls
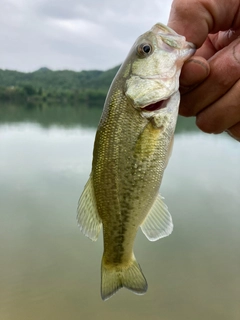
(144, 49)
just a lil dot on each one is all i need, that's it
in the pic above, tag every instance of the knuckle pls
(208, 124)
(234, 131)
(186, 110)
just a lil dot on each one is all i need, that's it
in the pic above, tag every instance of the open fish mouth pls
(156, 106)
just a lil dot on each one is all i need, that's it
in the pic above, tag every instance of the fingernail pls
(194, 72)
(184, 89)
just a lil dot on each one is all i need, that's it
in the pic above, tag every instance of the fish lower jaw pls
(154, 108)
(156, 105)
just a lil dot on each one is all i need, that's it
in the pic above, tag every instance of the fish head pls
(152, 70)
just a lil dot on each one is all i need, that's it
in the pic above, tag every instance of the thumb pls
(189, 19)
(195, 19)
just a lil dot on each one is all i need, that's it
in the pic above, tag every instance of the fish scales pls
(131, 151)
(107, 178)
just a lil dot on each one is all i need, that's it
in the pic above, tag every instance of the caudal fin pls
(117, 277)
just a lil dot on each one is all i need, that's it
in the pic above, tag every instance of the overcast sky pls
(73, 34)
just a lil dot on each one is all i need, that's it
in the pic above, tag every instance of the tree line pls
(56, 87)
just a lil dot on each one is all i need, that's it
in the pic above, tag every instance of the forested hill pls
(46, 78)
(56, 86)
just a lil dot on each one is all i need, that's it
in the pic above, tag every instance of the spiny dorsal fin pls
(158, 223)
(88, 218)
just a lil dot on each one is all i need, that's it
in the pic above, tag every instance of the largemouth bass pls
(132, 146)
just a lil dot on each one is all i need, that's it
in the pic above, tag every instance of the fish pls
(132, 146)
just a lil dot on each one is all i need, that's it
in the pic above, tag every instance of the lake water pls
(49, 270)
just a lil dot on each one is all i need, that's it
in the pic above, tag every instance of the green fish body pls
(132, 147)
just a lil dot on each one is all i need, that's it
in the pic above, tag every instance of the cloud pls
(73, 34)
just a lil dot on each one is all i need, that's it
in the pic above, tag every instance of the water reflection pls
(47, 115)
(49, 270)
(66, 116)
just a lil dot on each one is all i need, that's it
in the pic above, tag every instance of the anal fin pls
(87, 216)
(158, 223)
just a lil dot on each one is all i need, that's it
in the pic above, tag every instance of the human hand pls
(210, 80)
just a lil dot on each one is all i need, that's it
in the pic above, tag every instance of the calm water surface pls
(49, 270)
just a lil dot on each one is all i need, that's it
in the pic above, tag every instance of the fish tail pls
(119, 276)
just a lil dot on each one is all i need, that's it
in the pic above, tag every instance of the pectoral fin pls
(158, 223)
(88, 218)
